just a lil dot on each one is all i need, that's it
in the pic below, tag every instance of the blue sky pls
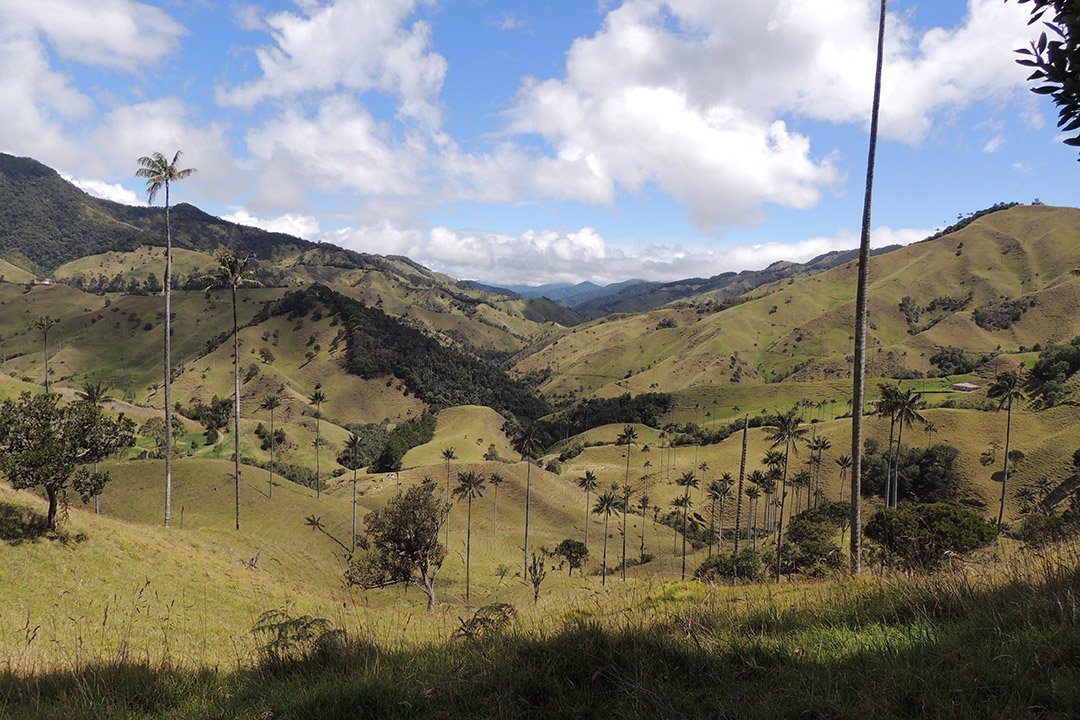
(541, 141)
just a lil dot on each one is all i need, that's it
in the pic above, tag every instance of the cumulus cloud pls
(295, 224)
(104, 190)
(536, 257)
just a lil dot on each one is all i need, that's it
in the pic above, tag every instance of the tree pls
(719, 492)
(44, 324)
(495, 480)
(844, 463)
(753, 493)
(887, 404)
(95, 394)
(448, 455)
(272, 403)
(317, 398)
(537, 572)
(687, 481)
(470, 486)
(624, 505)
(233, 273)
(787, 431)
(930, 429)
(818, 444)
(858, 371)
(1055, 62)
(587, 482)
(1007, 388)
(44, 443)
(160, 173)
(742, 478)
(352, 457)
(403, 543)
(907, 412)
(527, 441)
(574, 553)
(643, 506)
(627, 437)
(606, 504)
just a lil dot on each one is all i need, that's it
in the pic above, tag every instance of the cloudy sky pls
(532, 141)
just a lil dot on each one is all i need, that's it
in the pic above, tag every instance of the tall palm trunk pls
(45, 334)
(318, 446)
(495, 512)
(468, 552)
(712, 524)
(891, 456)
(447, 521)
(896, 468)
(742, 476)
(528, 501)
(685, 513)
(1005, 468)
(783, 500)
(603, 577)
(587, 492)
(644, 493)
(625, 512)
(97, 496)
(168, 361)
(720, 536)
(354, 509)
(859, 368)
(272, 442)
(236, 404)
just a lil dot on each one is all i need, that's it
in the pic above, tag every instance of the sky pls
(533, 142)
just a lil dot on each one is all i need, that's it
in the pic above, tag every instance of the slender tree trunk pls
(720, 537)
(45, 334)
(783, 500)
(168, 361)
(236, 404)
(644, 493)
(50, 492)
(448, 505)
(896, 469)
(859, 369)
(890, 457)
(603, 577)
(468, 553)
(712, 524)
(495, 512)
(586, 519)
(1005, 468)
(528, 501)
(318, 447)
(97, 496)
(354, 509)
(686, 511)
(272, 441)
(625, 512)
(742, 476)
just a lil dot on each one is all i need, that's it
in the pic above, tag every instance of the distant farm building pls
(965, 387)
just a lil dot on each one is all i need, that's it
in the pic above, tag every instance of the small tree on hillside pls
(44, 324)
(43, 443)
(402, 543)
(352, 457)
(574, 553)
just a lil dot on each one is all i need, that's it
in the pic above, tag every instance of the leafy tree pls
(606, 505)
(858, 371)
(1007, 388)
(317, 398)
(587, 482)
(923, 535)
(352, 457)
(233, 273)
(44, 324)
(159, 173)
(1055, 61)
(573, 552)
(1046, 381)
(470, 486)
(272, 403)
(402, 543)
(44, 443)
(537, 572)
(743, 566)
(95, 394)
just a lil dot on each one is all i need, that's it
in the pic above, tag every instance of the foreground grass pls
(997, 641)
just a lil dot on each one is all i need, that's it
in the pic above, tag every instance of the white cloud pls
(509, 22)
(536, 257)
(118, 34)
(295, 224)
(104, 190)
(994, 144)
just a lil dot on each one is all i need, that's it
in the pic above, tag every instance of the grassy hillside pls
(800, 328)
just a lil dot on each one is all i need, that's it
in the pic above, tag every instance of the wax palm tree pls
(753, 493)
(643, 506)
(495, 480)
(844, 463)
(907, 413)
(719, 492)
(527, 440)
(159, 173)
(1007, 388)
(44, 324)
(448, 455)
(233, 273)
(886, 405)
(704, 468)
(742, 478)
(606, 504)
(470, 486)
(352, 457)
(861, 305)
(271, 403)
(686, 481)
(624, 505)
(930, 429)
(587, 482)
(317, 398)
(787, 431)
(818, 444)
(95, 394)
(627, 437)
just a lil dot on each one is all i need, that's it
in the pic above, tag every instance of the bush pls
(746, 566)
(553, 466)
(922, 536)
(1039, 529)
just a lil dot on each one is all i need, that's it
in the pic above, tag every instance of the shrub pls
(746, 566)
(922, 536)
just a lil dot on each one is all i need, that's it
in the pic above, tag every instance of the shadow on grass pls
(21, 524)
(1012, 651)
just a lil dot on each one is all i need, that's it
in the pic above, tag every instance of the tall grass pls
(998, 639)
